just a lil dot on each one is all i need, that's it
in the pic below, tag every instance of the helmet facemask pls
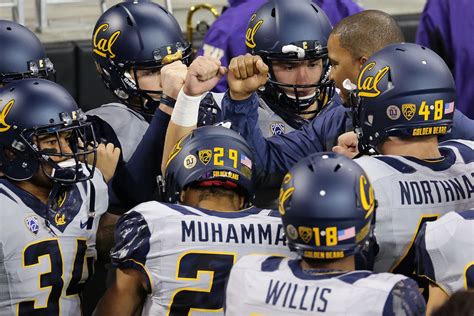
(61, 165)
(295, 104)
(42, 68)
(121, 78)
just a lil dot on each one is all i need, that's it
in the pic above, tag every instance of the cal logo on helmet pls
(251, 30)
(3, 115)
(103, 46)
(367, 198)
(368, 85)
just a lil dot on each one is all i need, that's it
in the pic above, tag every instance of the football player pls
(142, 57)
(291, 37)
(445, 255)
(351, 42)
(327, 207)
(405, 98)
(51, 201)
(175, 258)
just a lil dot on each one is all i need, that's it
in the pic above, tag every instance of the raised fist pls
(246, 74)
(203, 75)
(172, 78)
(347, 145)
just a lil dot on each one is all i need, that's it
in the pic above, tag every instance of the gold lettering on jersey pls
(324, 255)
(249, 36)
(60, 220)
(408, 110)
(103, 46)
(306, 233)
(284, 195)
(369, 87)
(366, 190)
(3, 115)
(225, 174)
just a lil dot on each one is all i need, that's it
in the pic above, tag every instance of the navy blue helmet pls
(35, 108)
(131, 36)
(327, 205)
(404, 90)
(23, 55)
(210, 156)
(283, 30)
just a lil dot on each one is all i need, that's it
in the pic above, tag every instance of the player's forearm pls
(117, 303)
(105, 235)
(125, 296)
(136, 181)
(183, 120)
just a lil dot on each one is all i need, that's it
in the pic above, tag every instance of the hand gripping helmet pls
(136, 35)
(210, 156)
(292, 31)
(31, 109)
(327, 203)
(23, 55)
(403, 90)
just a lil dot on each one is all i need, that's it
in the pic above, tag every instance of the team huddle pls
(334, 175)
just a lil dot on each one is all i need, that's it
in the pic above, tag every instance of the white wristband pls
(186, 109)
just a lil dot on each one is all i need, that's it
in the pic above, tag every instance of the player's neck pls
(218, 204)
(344, 264)
(41, 193)
(311, 108)
(418, 147)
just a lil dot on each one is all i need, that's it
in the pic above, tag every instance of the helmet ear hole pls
(9, 154)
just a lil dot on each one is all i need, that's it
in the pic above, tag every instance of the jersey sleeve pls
(279, 153)
(424, 265)
(132, 244)
(405, 299)
(135, 181)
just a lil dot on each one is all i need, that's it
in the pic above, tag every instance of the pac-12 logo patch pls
(277, 128)
(32, 223)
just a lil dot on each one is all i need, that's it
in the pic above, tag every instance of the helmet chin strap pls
(64, 170)
(292, 97)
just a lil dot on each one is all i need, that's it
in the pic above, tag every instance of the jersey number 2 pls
(190, 267)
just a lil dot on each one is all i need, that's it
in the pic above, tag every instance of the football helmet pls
(403, 90)
(131, 36)
(23, 55)
(210, 156)
(291, 31)
(32, 109)
(327, 204)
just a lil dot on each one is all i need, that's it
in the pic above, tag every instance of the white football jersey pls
(46, 256)
(275, 286)
(410, 192)
(445, 251)
(186, 253)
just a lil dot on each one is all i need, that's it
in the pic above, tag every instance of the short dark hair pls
(460, 303)
(366, 32)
